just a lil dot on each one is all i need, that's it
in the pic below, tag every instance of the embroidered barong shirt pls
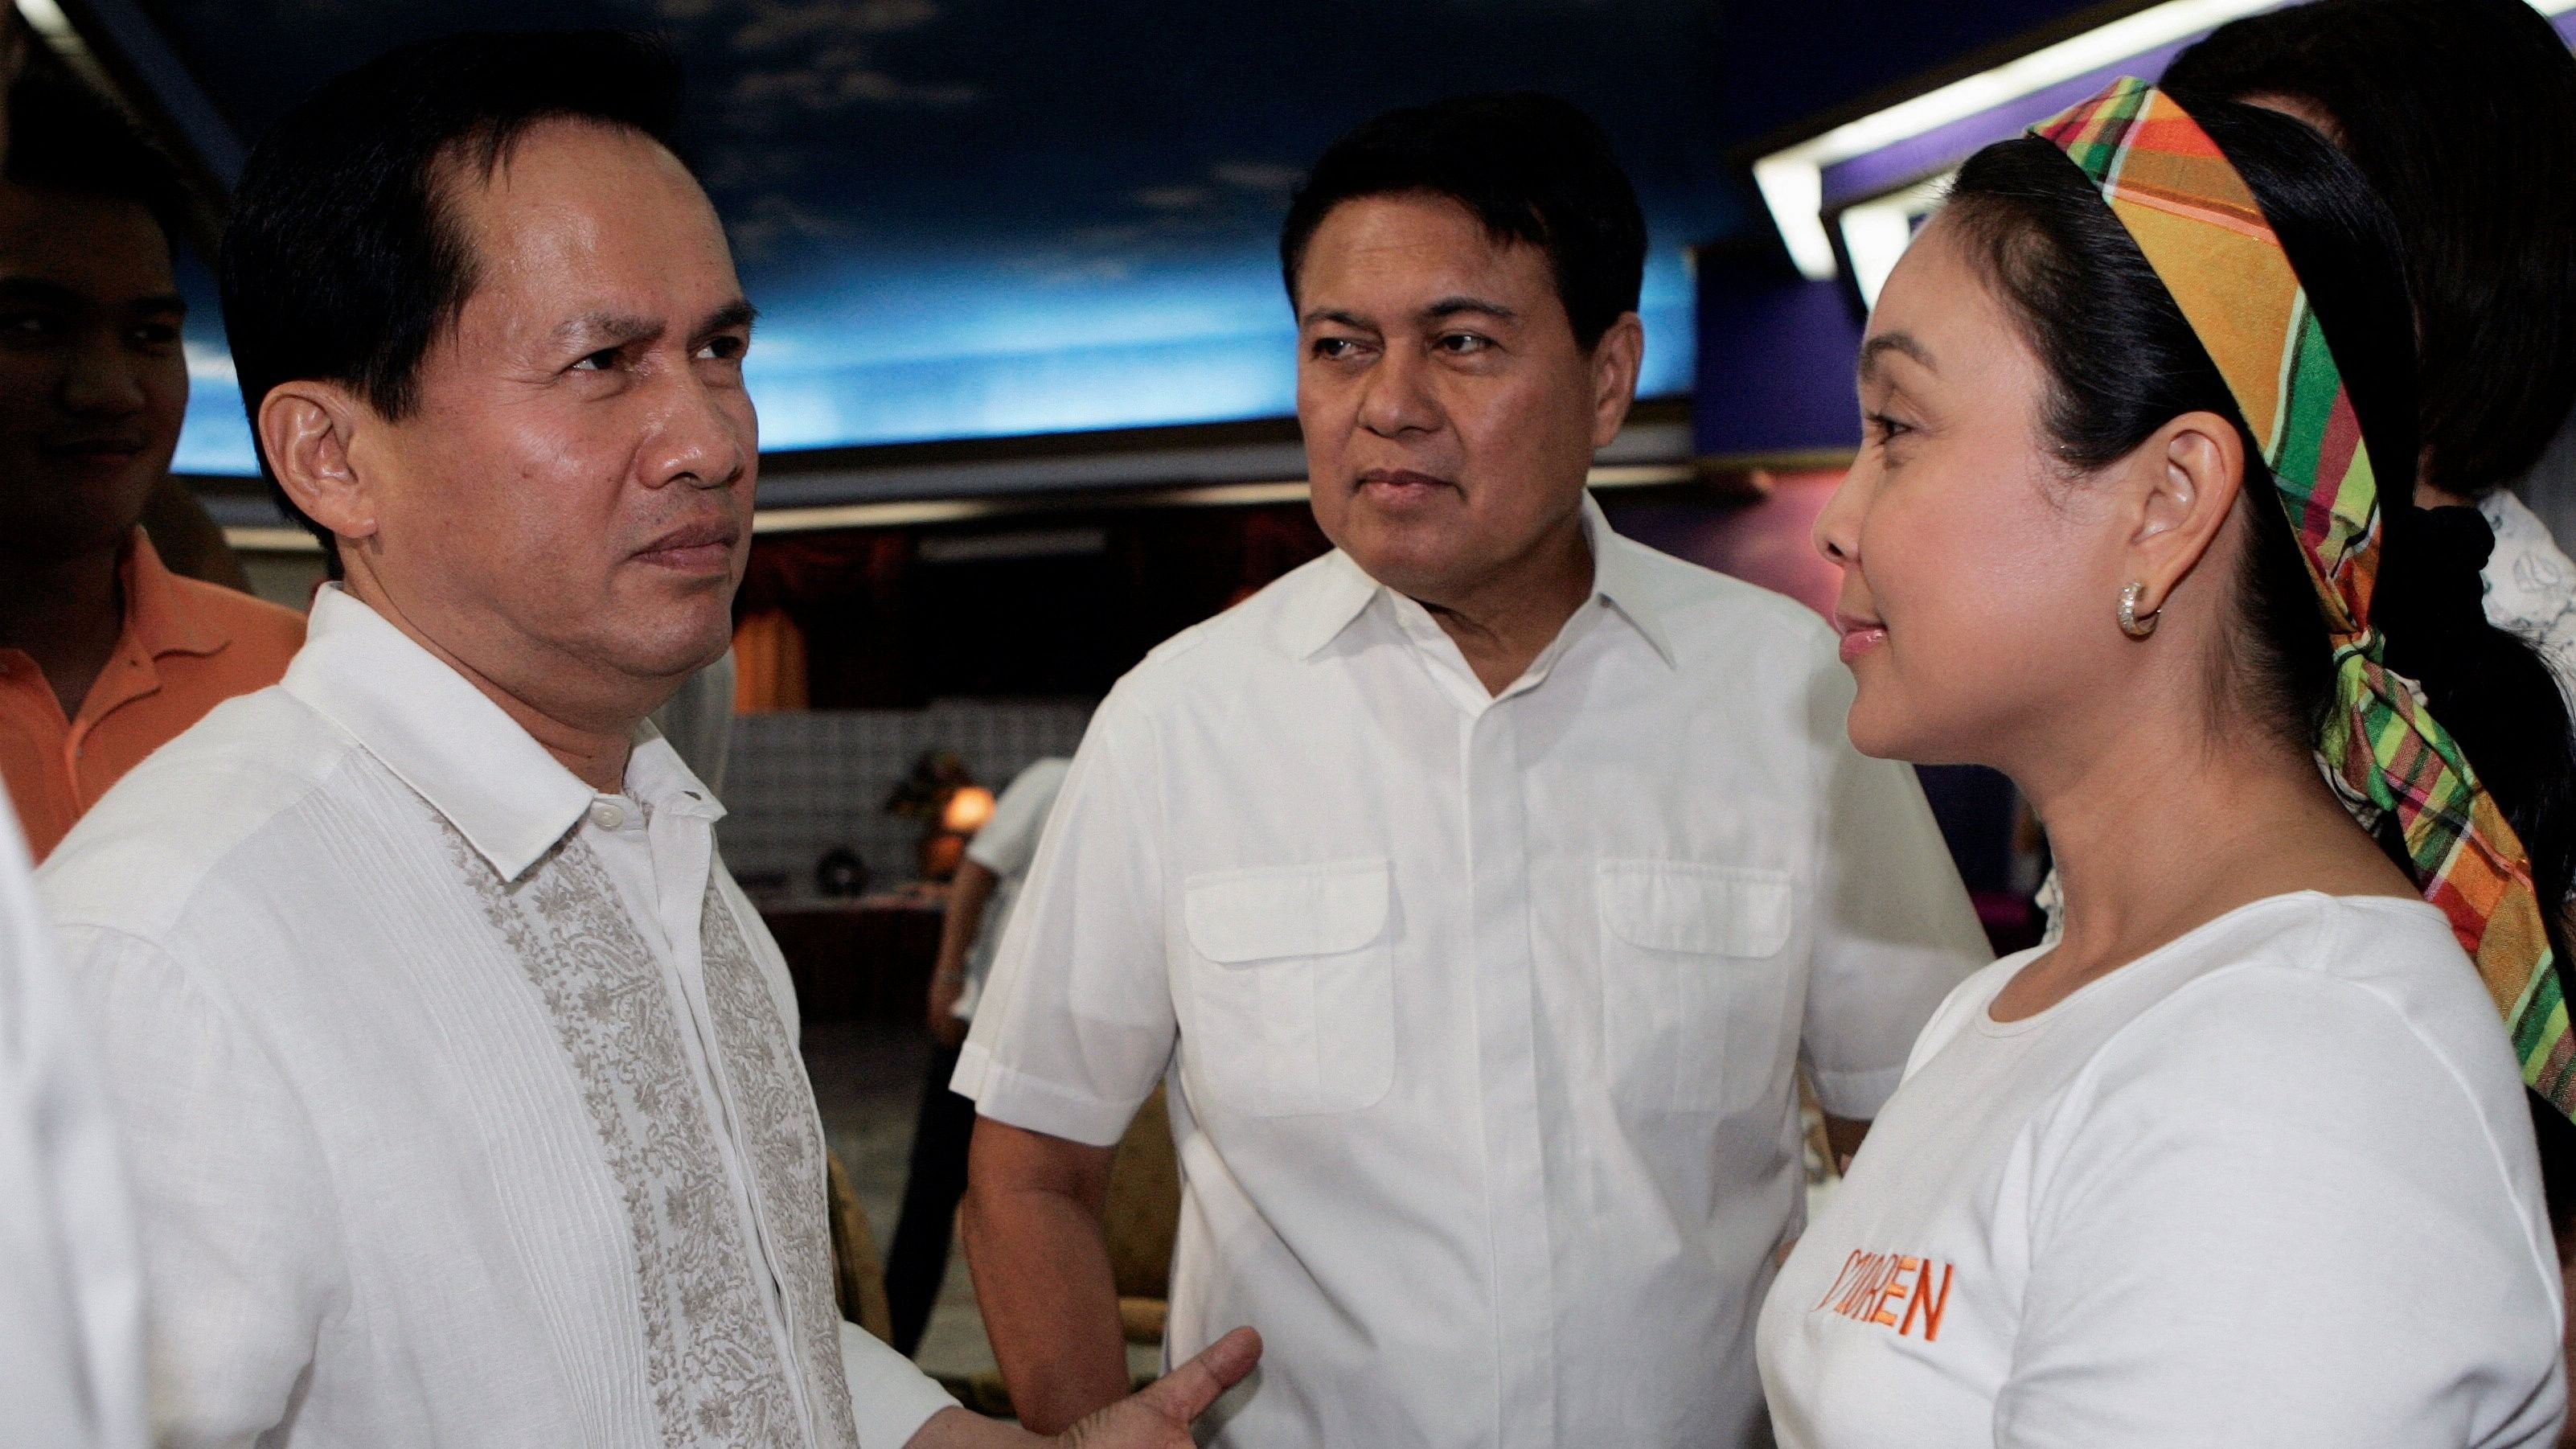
(463, 1102)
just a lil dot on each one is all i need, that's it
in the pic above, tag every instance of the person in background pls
(2133, 523)
(104, 653)
(2463, 114)
(1482, 884)
(979, 908)
(459, 1079)
(71, 1281)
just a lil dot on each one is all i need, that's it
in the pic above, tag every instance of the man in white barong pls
(461, 1081)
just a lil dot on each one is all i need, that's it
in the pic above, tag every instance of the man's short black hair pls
(65, 137)
(344, 260)
(1532, 168)
(2463, 114)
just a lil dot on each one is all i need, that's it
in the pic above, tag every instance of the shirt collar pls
(160, 621)
(439, 734)
(1621, 576)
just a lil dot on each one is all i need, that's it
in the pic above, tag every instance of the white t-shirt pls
(1006, 846)
(2271, 1185)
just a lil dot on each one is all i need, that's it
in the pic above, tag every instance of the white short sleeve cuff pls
(1034, 1105)
(889, 1397)
(1856, 1096)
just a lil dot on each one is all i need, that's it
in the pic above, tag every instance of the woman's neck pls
(2174, 826)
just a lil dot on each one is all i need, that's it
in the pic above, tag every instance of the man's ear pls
(308, 430)
(1615, 360)
(2192, 470)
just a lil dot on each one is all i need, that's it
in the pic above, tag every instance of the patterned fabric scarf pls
(2203, 232)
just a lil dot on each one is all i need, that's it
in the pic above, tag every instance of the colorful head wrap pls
(2203, 232)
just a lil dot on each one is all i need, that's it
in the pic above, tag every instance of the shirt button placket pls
(1506, 1000)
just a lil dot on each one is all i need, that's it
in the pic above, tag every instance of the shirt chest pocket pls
(1699, 1007)
(1291, 985)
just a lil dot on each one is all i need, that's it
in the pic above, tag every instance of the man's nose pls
(697, 441)
(1396, 395)
(103, 379)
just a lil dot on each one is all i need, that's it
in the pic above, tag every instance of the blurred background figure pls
(2463, 115)
(71, 1287)
(105, 652)
(979, 909)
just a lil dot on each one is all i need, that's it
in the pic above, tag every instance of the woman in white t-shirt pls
(2244, 1158)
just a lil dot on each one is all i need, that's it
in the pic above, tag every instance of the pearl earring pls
(2130, 624)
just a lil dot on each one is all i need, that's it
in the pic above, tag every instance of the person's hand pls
(1159, 1416)
(946, 1027)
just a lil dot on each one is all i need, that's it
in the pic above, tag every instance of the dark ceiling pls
(963, 217)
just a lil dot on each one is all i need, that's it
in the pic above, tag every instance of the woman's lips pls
(1859, 636)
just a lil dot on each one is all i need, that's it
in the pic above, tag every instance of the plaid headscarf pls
(2203, 232)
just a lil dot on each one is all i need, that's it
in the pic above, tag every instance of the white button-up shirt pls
(463, 1102)
(71, 1278)
(1486, 1005)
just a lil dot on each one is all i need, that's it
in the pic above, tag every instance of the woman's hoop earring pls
(2130, 623)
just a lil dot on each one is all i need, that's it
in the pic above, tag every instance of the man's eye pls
(600, 361)
(1463, 344)
(724, 349)
(155, 334)
(1336, 348)
(28, 326)
(1886, 429)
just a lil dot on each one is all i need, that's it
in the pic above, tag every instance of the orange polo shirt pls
(187, 647)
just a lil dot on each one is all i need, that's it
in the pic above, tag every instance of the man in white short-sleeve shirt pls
(462, 1083)
(1481, 884)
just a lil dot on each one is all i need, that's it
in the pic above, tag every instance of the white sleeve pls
(1895, 932)
(241, 1256)
(71, 1294)
(1076, 1023)
(1009, 841)
(2271, 1214)
(889, 1396)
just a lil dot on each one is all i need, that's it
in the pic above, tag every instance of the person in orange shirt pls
(104, 653)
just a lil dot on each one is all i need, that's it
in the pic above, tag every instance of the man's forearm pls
(1041, 1266)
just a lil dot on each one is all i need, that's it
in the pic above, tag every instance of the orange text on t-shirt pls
(1891, 1290)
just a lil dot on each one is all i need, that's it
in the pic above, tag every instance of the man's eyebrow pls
(737, 314)
(37, 289)
(1902, 343)
(1452, 306)
(1336, 314)
(615, 329)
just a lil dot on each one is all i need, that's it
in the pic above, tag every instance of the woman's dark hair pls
(2463, 114)
(1532, 168)
(2122, 362)
(343, 260)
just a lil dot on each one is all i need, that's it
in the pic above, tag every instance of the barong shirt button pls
(1481, 1010)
